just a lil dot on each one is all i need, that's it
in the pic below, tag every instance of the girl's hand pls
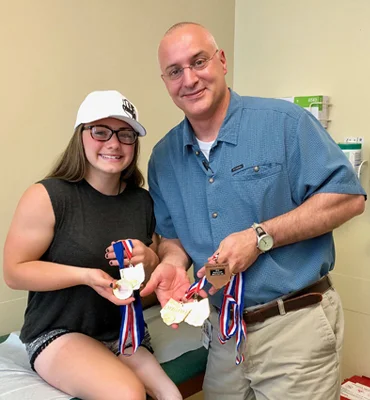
(103, 284)
(140, 254)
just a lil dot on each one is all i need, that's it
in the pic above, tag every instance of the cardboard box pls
(355, 388)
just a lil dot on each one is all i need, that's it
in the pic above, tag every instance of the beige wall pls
(289, 47)
(53, 54)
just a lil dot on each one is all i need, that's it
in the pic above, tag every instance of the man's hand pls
(168, 281)
(239, 250)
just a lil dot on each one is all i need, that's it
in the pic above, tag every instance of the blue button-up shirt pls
(269, 157)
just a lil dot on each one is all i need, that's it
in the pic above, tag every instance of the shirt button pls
(214, 215)
(211, 180)
(256, 168)
(197, 153)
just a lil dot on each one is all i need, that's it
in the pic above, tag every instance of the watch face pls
(265, 243)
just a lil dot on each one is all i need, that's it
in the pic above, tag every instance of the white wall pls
(296, 48)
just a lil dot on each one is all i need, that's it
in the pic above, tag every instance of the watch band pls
(258, 229)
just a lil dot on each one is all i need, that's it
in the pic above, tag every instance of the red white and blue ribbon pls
(127, 244)
(195, 288)
(231, 320)
(132, 314)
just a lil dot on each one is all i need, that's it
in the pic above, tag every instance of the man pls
(234, 162)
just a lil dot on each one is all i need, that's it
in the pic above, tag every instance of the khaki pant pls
(295, 356)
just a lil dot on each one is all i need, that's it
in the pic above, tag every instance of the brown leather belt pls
(305, 297)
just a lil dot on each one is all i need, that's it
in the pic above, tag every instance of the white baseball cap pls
(108, 104)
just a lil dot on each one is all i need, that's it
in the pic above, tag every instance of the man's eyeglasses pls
(175, 72)
(104, 133)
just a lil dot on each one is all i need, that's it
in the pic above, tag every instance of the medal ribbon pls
(119, 252)
(132, 314)
(231, 320)
(231, 315)
(127, 244)
(195, 288)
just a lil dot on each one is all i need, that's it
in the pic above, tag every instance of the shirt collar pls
(189, 136)
(229, 128)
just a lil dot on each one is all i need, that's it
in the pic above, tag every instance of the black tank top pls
(86, 222)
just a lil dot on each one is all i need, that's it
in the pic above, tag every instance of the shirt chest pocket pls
(255, 172)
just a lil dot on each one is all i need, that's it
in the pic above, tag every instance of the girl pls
(55, 249)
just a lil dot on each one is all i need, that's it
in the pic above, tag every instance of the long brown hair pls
(71, 165)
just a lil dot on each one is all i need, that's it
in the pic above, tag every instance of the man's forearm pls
(171, 251)
(318, 215)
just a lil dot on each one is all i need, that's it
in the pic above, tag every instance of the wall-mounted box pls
(317, 105)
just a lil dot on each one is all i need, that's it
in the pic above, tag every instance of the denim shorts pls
(35, 347)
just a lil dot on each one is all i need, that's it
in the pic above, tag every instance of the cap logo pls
(129, 108)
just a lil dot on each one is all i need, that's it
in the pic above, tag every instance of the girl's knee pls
(138, 393)
(134, 391)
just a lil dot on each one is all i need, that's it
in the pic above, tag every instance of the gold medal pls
(173, 312)
(134, 274)
(123, 289)
(199, 312)
(218, 275)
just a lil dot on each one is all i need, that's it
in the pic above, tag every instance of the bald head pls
(180, 25)
(185, 33)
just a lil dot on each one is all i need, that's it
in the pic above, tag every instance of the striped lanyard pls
(231, 315)
(132, 314)
(195, 288)
(230, 318)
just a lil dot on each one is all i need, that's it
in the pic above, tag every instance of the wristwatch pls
(264, 240)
